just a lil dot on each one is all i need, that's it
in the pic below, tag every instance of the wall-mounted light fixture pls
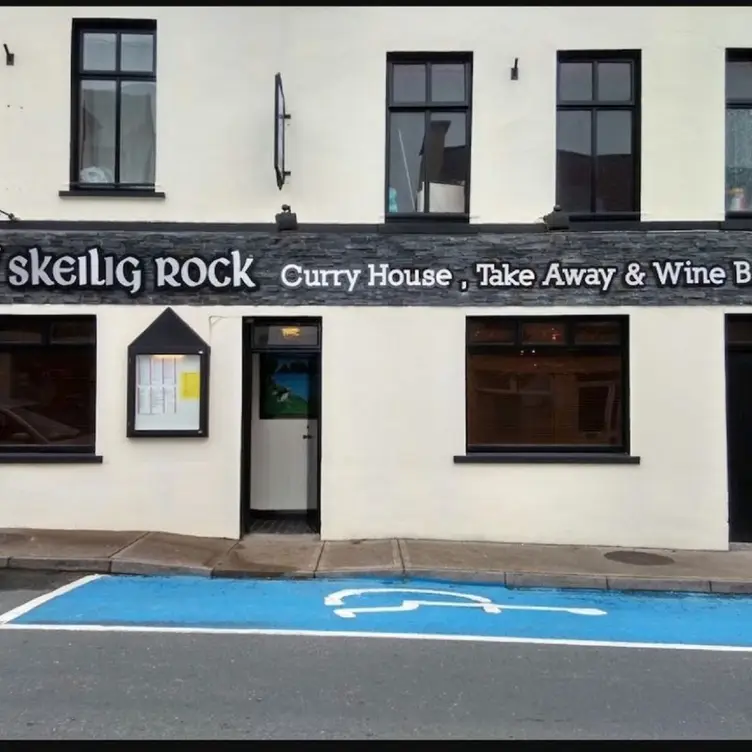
(514, 71)
(556, 219)
(10, 58)
(168, 381)
(286, 219)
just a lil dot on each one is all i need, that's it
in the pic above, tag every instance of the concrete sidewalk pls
(300, 556)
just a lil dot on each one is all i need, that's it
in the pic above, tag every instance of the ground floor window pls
(47, 383)
(547, 384)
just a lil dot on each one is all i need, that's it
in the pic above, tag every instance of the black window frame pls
(593, 106)
(46, 324)
(428, 107)
(118, 27)
(566, 346)
(734, 55)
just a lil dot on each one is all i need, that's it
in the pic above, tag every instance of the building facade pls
(419, 346)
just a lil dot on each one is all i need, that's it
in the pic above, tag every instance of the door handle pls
(307, 436)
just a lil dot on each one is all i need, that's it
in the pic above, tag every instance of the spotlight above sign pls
(280, 116)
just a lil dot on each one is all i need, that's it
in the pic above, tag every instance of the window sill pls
(110, 193)
(546, 458)
(424, 223)
(50, 458)
(737, 221)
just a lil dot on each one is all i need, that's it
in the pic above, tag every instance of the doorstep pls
(302, 556)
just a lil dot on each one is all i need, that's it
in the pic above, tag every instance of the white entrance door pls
(283, 437)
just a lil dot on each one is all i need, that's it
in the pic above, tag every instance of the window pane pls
(597, 333)
(137, 53)
(614, 82)
(97, 132)
(47, 395)
(137, 132)
(575, 82)
(285, 335)
(491, 330)
(20, 330)
(445, 161)
(409, 83)
(544, 333)
(525, 399)
(406, 132)
(615, 165)
(99, 52)
(739, 80)
(447, 82)
(738, 160)
(739, 331)
(73, 332)
(573, 160)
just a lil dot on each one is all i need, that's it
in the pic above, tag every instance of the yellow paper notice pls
(189, 385)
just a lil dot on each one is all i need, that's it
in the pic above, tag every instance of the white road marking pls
(24, 608)
(472, 601)
(377, 635)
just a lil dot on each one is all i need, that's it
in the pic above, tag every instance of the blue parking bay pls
(414, 607)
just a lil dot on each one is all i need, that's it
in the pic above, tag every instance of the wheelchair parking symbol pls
(439, 598)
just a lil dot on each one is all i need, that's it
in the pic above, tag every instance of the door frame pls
(732, 346)
(246, 414)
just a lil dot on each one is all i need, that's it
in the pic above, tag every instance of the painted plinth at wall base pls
(281, 429)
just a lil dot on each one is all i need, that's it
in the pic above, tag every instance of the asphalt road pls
(89, 685)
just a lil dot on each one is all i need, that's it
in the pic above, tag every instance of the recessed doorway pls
(281, 457)
(739, 426)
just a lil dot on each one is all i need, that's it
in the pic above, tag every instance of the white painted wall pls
(391, 426)
(215, 105)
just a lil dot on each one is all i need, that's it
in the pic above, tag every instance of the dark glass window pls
(47, 383)
(114, 104)
(597, 133)
(546, 384)
(738, 131)
(428, 135)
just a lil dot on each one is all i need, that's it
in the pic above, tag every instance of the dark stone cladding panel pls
(335, 250)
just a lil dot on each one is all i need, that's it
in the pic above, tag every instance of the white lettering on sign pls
(384, 275)
(89, 270)
(491, 274)
(467, 600)
(688, 274)
(93, 269)
(293, 276)
(194, 272)
(579, 276)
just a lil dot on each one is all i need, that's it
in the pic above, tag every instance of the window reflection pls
(547, 400)
(541, 383)
(738, 159)
(47, 391)
(597, 119)
(116, 109)
(429, 143)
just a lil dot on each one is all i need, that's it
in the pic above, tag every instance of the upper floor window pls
(114, 104)
(547, 384)
(597, 134)
(428, 135)
(738, 131)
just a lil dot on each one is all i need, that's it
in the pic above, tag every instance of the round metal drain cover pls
(639, 558)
